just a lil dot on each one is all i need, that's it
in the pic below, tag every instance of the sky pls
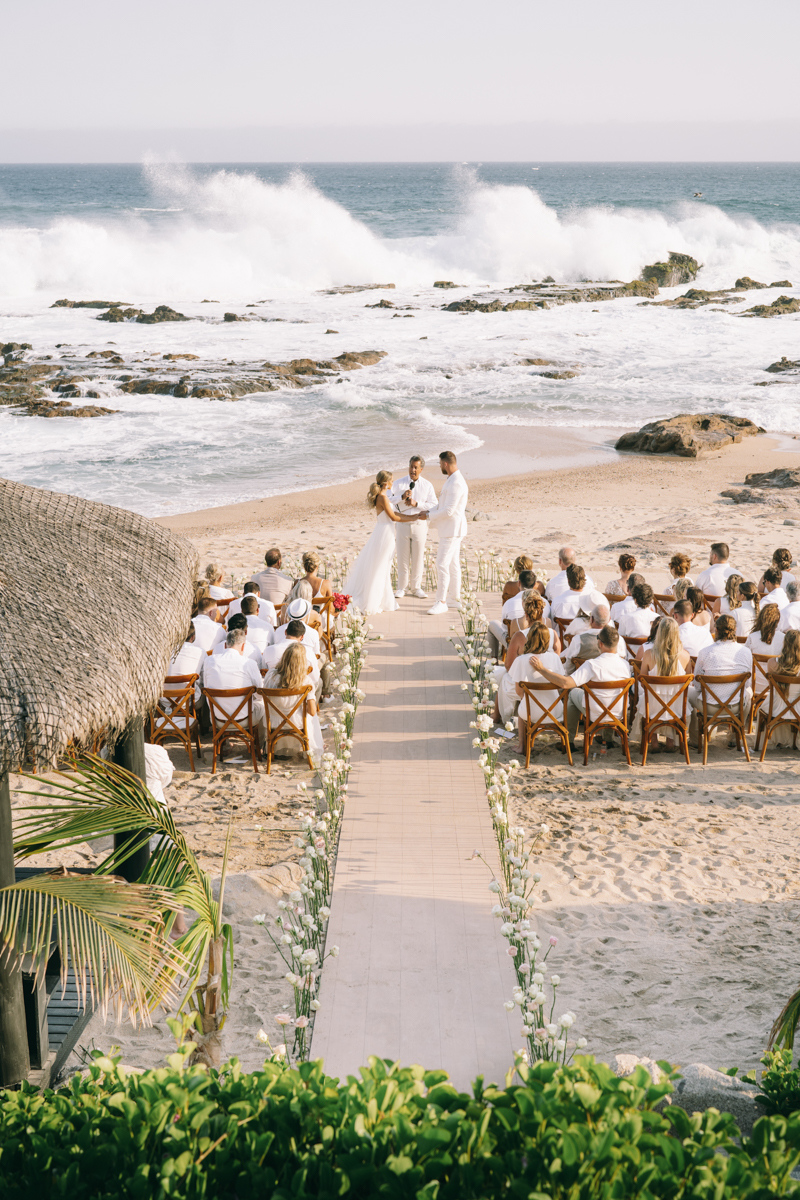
(167, 75)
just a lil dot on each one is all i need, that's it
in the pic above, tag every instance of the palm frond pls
(785, 1027)
(110, 932)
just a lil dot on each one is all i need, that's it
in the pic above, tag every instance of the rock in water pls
(783, 364)
(782, 283)
(681, 268)
(781, 477)
(445, 283)
(689, 434)
(162, 313)
(778, 308)
(746, 284)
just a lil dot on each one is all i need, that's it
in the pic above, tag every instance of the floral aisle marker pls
(546, 1036)
(301, 925)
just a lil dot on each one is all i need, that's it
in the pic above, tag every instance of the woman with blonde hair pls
(785, 663)
(619, 587)
(293, 671)
(523, 671)
(214, 576)
(506, 697)
(320, 587)
(740, 602)
(369, 582)
(666, 657)
(513, 587)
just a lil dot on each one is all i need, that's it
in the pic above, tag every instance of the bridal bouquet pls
(340, 601)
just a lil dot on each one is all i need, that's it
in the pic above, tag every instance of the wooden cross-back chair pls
(760, 685)
(715, 711)
(614, 597)
(282, 724)
(663, 603)
(633, 643)
(561, 624)
(232, 726)
(780, 710)
(616, 691)
(667, 712)
(709, 602)
(224, 605)
(635, 665)
(174, 715)
(547, 720)
(327, 633)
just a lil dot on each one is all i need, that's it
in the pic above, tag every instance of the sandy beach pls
(674, 889)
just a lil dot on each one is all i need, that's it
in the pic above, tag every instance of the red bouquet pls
(340, 601)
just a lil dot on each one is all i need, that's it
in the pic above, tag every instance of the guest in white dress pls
(679, 568)
(533, 606)
(524, 671)
(216, 590)
(766, 639)
(741, 601)
(293, 671)
(619, 587)
(369, 582)
(787, 663)
(782, 560)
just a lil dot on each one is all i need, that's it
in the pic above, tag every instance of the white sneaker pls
(438, 608)
(400, 593)
(418, 592)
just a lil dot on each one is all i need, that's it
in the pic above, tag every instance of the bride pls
(369, 582)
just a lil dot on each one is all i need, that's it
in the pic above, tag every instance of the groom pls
(449, 516)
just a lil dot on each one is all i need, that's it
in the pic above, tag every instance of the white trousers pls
(410, 537)
(448, 569)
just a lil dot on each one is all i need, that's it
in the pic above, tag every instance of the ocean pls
(209, 239)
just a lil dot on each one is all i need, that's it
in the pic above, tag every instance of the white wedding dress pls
(369, 581)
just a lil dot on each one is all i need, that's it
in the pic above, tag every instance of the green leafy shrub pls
(562, 1133)
(779, 1085)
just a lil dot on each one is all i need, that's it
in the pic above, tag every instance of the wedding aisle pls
(422, 974)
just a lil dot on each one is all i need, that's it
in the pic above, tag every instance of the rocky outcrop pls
(783, 364)
(688, 435)
(14, 349)
(781, 477)
(162, 313)
(746, 284)
(693, 298)
(228, 317)
(779, 308)
(782, 283)
(349, 288)
(681, 268)
(548, 295)
(381, 304)
(559, 374)
(117, 315)
(446, 283)
(89, 304)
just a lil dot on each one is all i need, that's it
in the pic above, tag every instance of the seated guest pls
(680, 589)
(723, 657)
(497, 633)
(513, 586)
(619, 587)
(533, 607)
(638, 622)
(712, 581)
(773, 592)
(295, 631)
(781, 560)
(274, 585)
(584, 645)
(567, 603)
(239, 621)
(766, 637)
(233, 670)
(693, 637)
(609, 665)
(302, 590)
(200, 593)
(320, 587)
(679, 567)
(740, 602)
(216, 590)
(292, 672)
(790, 615)
(190, 659)
(299, 610)
(266, 611)
(786, 663)
(522, 670)
(628, 604)
(700, 614)
(666, 657)
(259, 633)
(559, 583)
(207, 630)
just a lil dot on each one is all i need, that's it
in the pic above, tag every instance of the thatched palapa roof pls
(94, 601)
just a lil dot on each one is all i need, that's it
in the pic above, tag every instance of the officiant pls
(412, 493)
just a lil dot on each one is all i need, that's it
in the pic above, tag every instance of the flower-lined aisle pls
(546, 1036)
(301, 926)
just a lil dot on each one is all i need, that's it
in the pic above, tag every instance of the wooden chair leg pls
(645, 741)
(567, 747)
(528, 746)
(744, 742)
(623, 733)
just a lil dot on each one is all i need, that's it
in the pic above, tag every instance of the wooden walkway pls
(422, 974)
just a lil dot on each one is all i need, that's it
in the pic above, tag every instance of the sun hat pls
(299, 609)
(592, 600)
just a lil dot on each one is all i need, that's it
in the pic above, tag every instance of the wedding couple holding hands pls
(404, 511)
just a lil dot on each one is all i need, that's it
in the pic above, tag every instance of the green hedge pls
(564, 1133)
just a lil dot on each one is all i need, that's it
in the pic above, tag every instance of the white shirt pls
(603, 669)
(219, 593)
(744, 615)
(250, 651)
(449, 512)
(232, 670)
(274, 653)
(724, 658)
(423, 494)
(758, 646)
(559, 584)
(189, 660)
(790, 617)
(207, 633)
(637, 623)
(259, 633)
(266, 610)
(567, 604)
(712, 581)
(621, 607)
(310, 637)
(521, 670)
(694, 638)
(776, 596)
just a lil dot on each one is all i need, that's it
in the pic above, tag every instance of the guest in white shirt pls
(559, 584)
(239, 621)
(216, 590)
(291, 672)
(787, 663)
(790, 615)
(266, 610)
(567, 604)
(773, 592)
(627, 605)
(207, 630)
(299, 610)
(273, 654)
(723, 657)
(412, 493)
(693, 637)
(259, 632)
(740, 602)
(638, 622)
(189, 660)
(232, 670)
(608, 666)
(522, 670)
(782, 559)
(712, 581)
(513, 610)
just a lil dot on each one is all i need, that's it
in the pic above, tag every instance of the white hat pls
(592, 600)
(298, 610)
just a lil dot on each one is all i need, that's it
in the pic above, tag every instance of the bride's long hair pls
(381, 479)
